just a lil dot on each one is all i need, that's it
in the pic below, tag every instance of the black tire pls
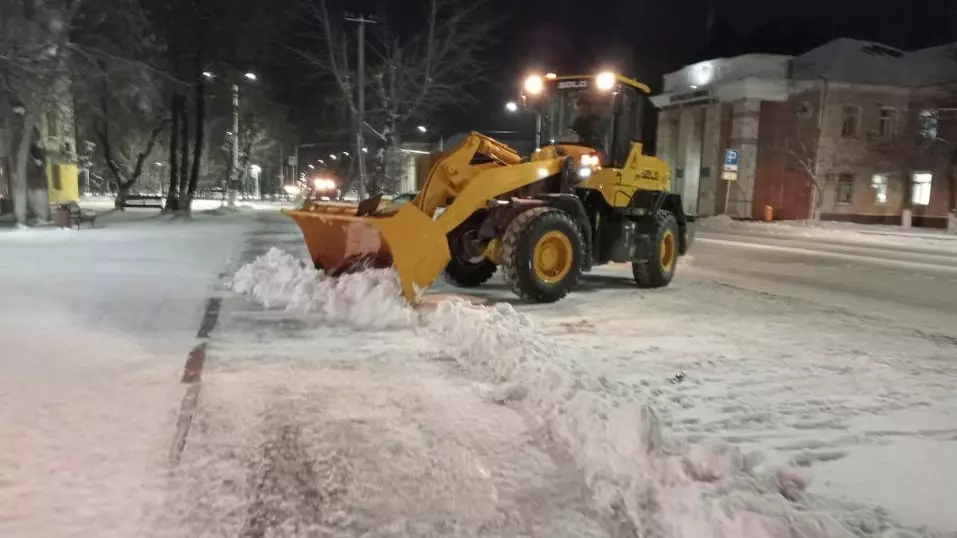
(658, 271)
(466, 274)
(522, 238)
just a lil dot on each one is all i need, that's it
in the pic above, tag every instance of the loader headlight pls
(605, 81)
(584, 172)
(590, 160)
(534, 85)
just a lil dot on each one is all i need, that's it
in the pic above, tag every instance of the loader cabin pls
(603, 112)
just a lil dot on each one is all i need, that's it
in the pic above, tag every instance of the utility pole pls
(234, 157)
(362, 21)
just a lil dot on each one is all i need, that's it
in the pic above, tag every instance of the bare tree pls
(409, 75)
(34, 46)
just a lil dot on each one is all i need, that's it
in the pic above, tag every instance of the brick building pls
(854, 130)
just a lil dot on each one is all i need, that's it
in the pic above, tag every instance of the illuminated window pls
(845, 189)
(879, 184)
(920, 188)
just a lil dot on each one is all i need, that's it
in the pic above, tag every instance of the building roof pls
(866, 62)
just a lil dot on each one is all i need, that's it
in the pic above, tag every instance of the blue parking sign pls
(732, 157)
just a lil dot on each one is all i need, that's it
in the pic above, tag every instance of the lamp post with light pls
(234, 147)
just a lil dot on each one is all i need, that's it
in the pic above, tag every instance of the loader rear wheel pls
(658, 271)
(542, 253)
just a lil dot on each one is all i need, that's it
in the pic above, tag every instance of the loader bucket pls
(339, 241)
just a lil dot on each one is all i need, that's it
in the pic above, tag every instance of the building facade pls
(852, 131)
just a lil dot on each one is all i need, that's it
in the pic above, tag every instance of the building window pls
(921, 184)
(928, 124)
(845, 189)
(851, 122)
(879, 184)
(885, 123)
(51, 124)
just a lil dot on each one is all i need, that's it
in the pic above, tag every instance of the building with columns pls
(851, 130)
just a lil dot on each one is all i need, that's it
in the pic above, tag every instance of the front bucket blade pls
(339, 241)
(419, 247)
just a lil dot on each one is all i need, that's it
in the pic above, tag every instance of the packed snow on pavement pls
(330, 407)
(682, 423)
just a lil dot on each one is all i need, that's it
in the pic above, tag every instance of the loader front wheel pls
(542, 254)
(469, 274)
(658, 271)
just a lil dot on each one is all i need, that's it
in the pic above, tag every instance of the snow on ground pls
(703, 409)
(94, 328)
(844, 232)
(699, 457)
(341, 417)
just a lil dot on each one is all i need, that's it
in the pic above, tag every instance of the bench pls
(144, 200)
(78, 215)
(70, 215)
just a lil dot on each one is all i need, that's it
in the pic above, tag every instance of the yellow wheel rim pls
(552, 257)
(667, 251)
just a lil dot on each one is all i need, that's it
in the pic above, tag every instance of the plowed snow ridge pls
(636, 474)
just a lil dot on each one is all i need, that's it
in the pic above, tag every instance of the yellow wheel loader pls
(588, 197)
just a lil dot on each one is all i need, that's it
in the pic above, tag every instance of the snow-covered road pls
(817, 395)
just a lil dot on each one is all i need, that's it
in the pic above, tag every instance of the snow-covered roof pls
(866, 62)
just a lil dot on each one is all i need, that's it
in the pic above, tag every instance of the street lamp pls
(345, 153)
(333, 156)
(311, 167)
(234, 150)
(422, 128)
(512, 108)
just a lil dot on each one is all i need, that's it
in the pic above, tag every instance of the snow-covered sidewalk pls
(94, 329)
(840, 232)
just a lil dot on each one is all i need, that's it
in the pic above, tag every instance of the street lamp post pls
(234, 147)
(513, 108)
(234, 151)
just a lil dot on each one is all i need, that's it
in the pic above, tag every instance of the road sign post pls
(729, 173)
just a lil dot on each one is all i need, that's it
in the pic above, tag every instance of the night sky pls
(647, 38)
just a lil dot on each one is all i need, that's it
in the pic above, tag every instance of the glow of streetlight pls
(346, 153)
(422, 128)
(251, 76)
(333, 156)
(255, 169)
(365, 150)
(511, 106)
(311, 167)
(157, 163)
(208, 75)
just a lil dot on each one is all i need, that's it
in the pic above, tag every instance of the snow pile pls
(715, 223)
(639, 478)
(370, 299)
